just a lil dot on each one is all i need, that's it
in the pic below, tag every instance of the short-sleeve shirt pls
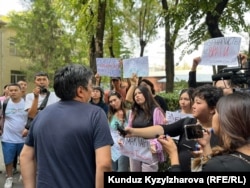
(30, 97)
(65, 136)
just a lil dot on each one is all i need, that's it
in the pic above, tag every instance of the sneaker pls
(8, 182)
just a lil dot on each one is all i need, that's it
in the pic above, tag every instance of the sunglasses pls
(112, 93)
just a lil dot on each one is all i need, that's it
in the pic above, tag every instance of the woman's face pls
(215, 122)
(115, 102)
(96, 94)
(139, 97)
(201, 111)
(185, 103)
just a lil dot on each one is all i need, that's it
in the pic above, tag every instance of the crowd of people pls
(73, 133)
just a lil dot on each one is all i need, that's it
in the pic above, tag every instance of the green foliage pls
(232, 18)
(163, 166)
(172, 99)
(54, 32)
(41, 38)
(140, 21)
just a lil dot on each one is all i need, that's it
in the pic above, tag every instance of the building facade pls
(11, 64)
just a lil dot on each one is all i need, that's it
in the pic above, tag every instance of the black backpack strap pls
(2, 118)
(5, 102)
(44, 103)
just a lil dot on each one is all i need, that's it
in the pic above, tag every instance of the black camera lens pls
(43, 90)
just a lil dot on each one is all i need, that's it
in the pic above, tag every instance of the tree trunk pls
(96, 44)
(169, 52)
(142, 45)
(100, 28)
(212, 21)
(92, 50)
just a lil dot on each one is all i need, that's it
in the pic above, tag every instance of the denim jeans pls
(121, 165)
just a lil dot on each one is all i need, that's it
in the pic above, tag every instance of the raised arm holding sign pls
(221, 51)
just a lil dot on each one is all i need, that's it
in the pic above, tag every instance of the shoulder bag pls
(41, 107)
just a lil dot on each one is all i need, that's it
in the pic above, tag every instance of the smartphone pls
(193, 131)
(121, 130)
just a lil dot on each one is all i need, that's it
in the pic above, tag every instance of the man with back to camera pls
(75, 149)
(34, 100)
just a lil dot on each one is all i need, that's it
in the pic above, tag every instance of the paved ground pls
(16, 183)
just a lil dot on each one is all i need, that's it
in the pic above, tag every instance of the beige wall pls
(8, 62)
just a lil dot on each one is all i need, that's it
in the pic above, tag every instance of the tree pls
(210, 19)
(141, 20)
(201, 20)
(40, 37)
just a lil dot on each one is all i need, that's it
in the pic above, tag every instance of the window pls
(13, 50)
(16, 76)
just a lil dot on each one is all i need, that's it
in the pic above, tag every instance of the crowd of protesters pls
(70, 136)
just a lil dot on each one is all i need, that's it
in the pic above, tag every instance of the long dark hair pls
(234, 120)
(149, 105)
(112, 111)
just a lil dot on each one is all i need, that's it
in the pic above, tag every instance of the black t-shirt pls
(236, 162)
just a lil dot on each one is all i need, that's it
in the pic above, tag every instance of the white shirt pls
(15, 120)
(30, 97)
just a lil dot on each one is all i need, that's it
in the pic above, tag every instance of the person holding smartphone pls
(205, 99)
(233, 155)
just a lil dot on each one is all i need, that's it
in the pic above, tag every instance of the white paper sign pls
(138, 66)
(115, 149)
(137, 148)
(108, 67)
(175, 116)
(221, 51)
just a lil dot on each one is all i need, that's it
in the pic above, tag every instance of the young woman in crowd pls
(186, 101)
(205, 99)
(160, 100)
(97, 95)
(146, 112)
(134, 81)
(231, 124)
(118, 116)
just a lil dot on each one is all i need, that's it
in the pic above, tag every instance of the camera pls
(239, 76)
(193, 131)
(43, 90)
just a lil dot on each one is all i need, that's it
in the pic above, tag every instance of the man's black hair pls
(41, 74)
